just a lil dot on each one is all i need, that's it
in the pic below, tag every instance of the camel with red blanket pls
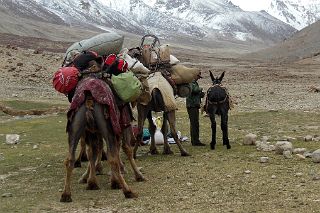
(93, 114)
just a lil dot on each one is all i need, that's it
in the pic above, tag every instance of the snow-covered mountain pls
(297, 13)
(219, 18)
(201, 19)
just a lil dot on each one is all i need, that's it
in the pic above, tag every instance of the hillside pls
(304, 44)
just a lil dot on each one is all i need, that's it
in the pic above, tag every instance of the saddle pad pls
(102, 94)
(156, 80)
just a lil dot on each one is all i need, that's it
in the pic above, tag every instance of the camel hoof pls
(83, 180)
(140, 178)
(212, 146)
(154, 152)
(115, 185)
(185, 154)
(77, 164)
(167, 152)
(92, 186)
(65, 198)
(130, 194)
(99, 170)
(228, 146)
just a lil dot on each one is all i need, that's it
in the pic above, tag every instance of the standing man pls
(193, 106)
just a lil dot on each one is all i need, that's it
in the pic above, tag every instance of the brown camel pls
(126, 138)
(91, 119)
(144, 111)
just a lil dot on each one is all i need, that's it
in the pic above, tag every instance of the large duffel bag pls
(103, 44)
(181, 74)
(127, 86)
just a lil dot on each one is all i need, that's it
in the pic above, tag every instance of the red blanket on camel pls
(102, 94)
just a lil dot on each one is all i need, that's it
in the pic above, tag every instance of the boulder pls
(308, 138)
(264, 159)
(299, 151)
(12, 139)
(282, 146)
(316, 156)
(264, 146)
(250, 139)
(287, 154)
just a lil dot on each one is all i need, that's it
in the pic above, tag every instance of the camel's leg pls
(126, 138)
(82, 154)
(213, 130)
(92, 151)
(85, 176)
(113, 147)
(224, 128)
(164, 130)
(74, 133)
(114, 159)
(152, 130)
(122, 168)
(172, 121)
(142, 115)
(100, 153)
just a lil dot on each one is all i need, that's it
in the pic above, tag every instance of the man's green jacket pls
(194, 99)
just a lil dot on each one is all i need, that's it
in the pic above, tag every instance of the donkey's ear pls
(212, 77)
(221, 76)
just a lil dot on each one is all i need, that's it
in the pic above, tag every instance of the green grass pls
(27, 105)
(208, 181)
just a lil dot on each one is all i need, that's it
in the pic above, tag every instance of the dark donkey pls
(217, 103)
(93, 114)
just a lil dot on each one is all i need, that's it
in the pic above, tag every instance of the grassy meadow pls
(208, 181)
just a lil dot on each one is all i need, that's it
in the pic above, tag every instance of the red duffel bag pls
(65, 79)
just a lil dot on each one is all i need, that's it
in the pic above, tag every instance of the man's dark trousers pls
(193, 113)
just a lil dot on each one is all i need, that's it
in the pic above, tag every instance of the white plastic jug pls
(158, 136)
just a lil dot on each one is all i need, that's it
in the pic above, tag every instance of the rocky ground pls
(26, 73)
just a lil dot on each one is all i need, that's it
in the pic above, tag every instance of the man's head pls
(198, 76)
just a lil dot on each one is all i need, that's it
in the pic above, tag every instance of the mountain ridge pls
(204, 20)
(296, 13)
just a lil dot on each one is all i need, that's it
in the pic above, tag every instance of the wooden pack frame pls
(154, 54)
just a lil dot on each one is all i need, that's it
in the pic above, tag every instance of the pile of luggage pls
(157, 57)
(100, 57)
(95, 57)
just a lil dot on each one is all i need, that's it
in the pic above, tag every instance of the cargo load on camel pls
(103, 44)
(142, 61)
(157, 57)
(111, 69)
(154, 54)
